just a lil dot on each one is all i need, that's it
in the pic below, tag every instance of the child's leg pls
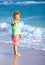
(15, 50)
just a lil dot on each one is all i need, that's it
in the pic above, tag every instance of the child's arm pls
(12, 24)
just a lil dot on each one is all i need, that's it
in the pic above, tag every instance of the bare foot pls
(18, 54)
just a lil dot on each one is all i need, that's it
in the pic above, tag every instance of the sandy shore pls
(29, 56)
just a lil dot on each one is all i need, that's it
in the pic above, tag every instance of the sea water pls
(32, 22)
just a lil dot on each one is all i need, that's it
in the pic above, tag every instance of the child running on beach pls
(16, 32)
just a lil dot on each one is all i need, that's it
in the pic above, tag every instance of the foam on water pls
(22, 2)
(32, 37)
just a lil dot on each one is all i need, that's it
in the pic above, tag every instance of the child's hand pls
(20, 35)
(12, 25)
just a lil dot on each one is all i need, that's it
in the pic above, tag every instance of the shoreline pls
(35, 47)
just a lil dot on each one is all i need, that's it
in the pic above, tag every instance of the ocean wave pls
(33, 37)
(34, 17)
(32, 30)
(30, 2)
(3, 25)
(22, 2)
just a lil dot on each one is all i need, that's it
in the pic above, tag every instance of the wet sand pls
(29, 56)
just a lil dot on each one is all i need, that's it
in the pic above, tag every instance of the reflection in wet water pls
(15, 60)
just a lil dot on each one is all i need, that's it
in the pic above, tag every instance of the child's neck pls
(15, 21)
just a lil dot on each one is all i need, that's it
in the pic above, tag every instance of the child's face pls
(17, 17)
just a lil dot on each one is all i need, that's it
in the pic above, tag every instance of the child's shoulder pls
(12, 24)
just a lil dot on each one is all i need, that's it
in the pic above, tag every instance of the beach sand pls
(29, 56)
